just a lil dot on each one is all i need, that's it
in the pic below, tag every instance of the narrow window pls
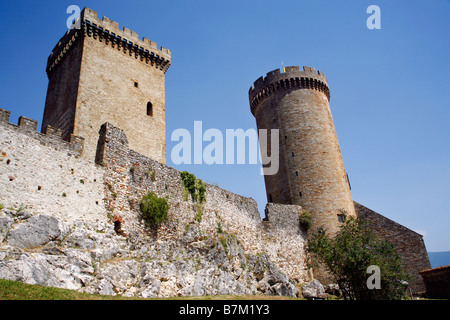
(136, 85)
(270, 198)
(296, 173)
(300, 194)
(292, 154)
(341, 218)
(149, 109)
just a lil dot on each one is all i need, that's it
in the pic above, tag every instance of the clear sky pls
(389, 87)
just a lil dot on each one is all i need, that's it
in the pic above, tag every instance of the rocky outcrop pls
(313, 290)
(91, 257)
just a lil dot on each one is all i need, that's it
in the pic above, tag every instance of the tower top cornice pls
(107, 31)
(291, 78)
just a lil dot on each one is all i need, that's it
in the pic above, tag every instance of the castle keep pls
(311, 172)
(67, 191)
(100, 73)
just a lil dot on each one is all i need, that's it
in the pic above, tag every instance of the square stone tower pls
(99, 73)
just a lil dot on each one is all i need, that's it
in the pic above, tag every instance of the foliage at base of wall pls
(348, 256)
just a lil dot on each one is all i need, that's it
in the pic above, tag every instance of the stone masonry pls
(59, 213)
(311, 171)
(100, 73)
(409, 244)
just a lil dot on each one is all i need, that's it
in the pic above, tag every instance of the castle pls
(103, 147)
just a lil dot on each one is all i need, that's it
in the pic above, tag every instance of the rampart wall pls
(132, 175)
(408, 243)
(46, 175)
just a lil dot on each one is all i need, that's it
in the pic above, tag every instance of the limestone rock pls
(92, 258)
(313, 290)
(37, 231)
(333, 289)
(5, 224)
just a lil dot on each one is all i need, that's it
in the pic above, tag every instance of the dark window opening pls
(136, 85)
(292, 154)
(149, 109)
(270, 198)
(341, 218)
(296, 173)
(300, 194)
(39, 187)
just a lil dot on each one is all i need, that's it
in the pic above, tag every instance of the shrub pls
(194, 186)
(201, 191)
(348, 255)
(189, 183)
(305, 220)
(154, 209)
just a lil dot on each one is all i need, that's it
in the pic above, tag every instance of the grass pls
(14, 290)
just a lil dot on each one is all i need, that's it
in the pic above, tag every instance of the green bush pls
(194, 186)
(348, 255)
(305, 220)
(153, 208)
(189, 183)
(201, 191)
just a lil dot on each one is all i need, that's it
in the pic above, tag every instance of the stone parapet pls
(292, 78)
(107, 31)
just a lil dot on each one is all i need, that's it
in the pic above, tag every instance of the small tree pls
(348, 255)
(154, 209)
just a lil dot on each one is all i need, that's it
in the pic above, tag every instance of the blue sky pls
(389, 87)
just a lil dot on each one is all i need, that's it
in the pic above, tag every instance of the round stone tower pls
(311, 170)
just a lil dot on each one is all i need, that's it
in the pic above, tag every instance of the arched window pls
(149, 109)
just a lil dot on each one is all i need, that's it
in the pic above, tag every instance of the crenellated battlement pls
(107, 31)
(291, 78)
(51, 137)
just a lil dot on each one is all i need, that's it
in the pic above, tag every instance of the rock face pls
(313, 290)
(37, 231)
(91, 257)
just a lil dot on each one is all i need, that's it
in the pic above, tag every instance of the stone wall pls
(45, 174)
(132, 175)
(437, 282)
(409, 244)
(58, 224)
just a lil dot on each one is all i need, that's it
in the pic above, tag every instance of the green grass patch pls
(14, 290)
